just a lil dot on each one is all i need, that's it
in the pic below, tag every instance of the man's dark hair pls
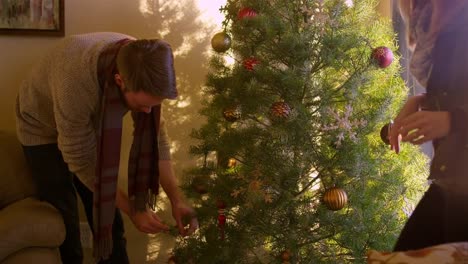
(147, 65)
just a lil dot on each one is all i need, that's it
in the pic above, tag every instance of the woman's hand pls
(424, 126)
(411, 106)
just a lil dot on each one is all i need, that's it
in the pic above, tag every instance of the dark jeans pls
(440, 217)
(56, 185)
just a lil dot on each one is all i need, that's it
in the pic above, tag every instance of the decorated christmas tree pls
(293, 164)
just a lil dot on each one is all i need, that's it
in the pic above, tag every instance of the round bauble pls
(335, 198)
(384, 133)
(221, 42)
(382, 56)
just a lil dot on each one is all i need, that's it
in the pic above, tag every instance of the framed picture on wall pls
(32, 17)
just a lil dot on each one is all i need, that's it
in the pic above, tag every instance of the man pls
(69, 121)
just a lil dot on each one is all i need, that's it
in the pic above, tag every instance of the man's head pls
(146, 73)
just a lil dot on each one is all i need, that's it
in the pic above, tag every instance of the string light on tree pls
(232, 162)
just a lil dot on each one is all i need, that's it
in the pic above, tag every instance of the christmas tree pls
(293, 168)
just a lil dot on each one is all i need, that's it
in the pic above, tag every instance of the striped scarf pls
(143, 171)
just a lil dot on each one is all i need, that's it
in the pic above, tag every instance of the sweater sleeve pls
(75, 101)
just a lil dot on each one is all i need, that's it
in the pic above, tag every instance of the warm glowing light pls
(144, 8)
(232, 162)
(210, 13)
(230, 61)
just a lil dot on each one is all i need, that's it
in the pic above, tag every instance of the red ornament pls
(221, 220)
(221, 217)
(246, 13)
(250, 63)
(280, 110)
(383, 56)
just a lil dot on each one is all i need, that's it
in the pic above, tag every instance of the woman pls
(438, 35)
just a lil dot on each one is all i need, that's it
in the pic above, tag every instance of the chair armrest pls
(29, 223)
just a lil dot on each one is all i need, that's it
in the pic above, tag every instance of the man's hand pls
(148, 222)
(184, 215)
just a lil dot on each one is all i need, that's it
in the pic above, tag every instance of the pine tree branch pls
(254, 118)
(308, 185)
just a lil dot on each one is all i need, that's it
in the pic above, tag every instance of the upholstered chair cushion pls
(29, 223)
(15, 178)
(450, 253)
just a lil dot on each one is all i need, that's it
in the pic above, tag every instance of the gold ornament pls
(221, 42)
(280, 110)
(335, 199)
(232, 114)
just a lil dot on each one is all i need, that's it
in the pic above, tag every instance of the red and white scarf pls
(143, 171)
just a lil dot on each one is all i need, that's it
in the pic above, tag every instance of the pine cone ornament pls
(221, 42)
(382, 56)
(280, 110)
(335, 198)
(232, 114)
